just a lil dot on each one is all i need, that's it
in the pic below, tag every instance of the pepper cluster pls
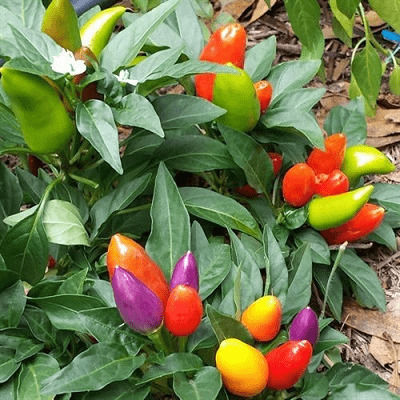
(242, 99)
(142, 294)
(324, 181)
(246, 371)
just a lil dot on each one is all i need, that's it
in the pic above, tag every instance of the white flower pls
(65, 63)
(123, 77)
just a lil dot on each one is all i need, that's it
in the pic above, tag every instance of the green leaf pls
(213, 261)
(8, 365)
(19, 340)
(259, 59)
(366, 70)
(342, 374)
(221, 210)
(93, 369)
(367, 286)
(292, 217)
(315, 387)
(226, 327)
(349, 119)
(251, 158)
(25, 249)
(7, 43)
(361, 392)
(95, 122)
(32, 376)
(177, 362)
(194, 153)
(292, 75)
(115, 391)
(385, 235)
(12, 304)
(189, 29)
(299, 291)
(389, 11)
(277, 273)
(304, 18)
(289, 122)
(170, 227)
(125, 46)
(342, 23)
(10, 196)
(30, 12)
(394, 81)
(203, 337)
(303, 99)
(328, 339)
(31, 186)
(63, 224)
(205, 385)
(335, 297)
(116, 200)
(348, 7)
(387, 196)
(181, 111)
(136, 110)
(10, 130)
(319, 248)
(74, 283)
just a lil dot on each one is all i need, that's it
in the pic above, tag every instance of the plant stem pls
(182, 342)
(134, 209)
(47, 192)
(15, 150)
(83, 180)
(339, 256)
(158, 339)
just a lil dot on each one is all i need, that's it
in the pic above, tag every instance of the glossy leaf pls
(319, 248)
(222, 210)
(30, 12)
(388, 10)
(170, 229)
(394, 81)
(12, 304)
(348, 7)
(93, 369)
(358, 391)
(205, 385)
(8, 365)
(328, 339)
(259, 59)
(302, 99)
(385, 235)
(115, 391)
(95, 122)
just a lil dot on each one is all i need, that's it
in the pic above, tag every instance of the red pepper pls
(264, 94)
(334, 183)
(287, 363)
(183, 311)
(247, 190)
(365, 221)
(324, 162)
(298, 185)
(226, 44)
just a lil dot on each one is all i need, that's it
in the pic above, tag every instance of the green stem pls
(77, 155)
(47, 192)
(15, 150)
(182, 342)
(339, 256)
(158, 339)
(83, 180)
(134, 209)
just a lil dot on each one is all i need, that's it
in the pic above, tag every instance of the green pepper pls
(44, 121)
(97, 31)
(60, 22)
(331, 211)
(236, 93)
(362, 160)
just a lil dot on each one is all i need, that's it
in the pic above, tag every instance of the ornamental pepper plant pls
(158, 245)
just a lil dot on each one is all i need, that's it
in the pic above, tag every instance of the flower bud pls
(305, 326)
(185, 272)
(139, 307)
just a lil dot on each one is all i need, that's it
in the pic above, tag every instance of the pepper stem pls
(158, 339)
(339, 256)
(182, 342)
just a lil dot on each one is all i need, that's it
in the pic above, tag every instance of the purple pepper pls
(185, 272)
(305, 326)
(138, 305)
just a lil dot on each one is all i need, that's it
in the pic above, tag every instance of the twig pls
(352, 246)
(388, 260)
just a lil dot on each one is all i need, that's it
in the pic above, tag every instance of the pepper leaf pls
(259, 59)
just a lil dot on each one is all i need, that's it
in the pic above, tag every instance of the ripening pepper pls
(45, 123)
(362, 160)
(363, 223)
(138, 305)
(96, 32)
(243, 368)
(60, 22)
(126, 253)
(324, 162)
(236, 93)
(332, 211)
(287, 363)
(226, 44)
(264, 94)
(334, 183)
(263, 318)
(305, 326)
(183, 311)
(185, 272)
(298, 185)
